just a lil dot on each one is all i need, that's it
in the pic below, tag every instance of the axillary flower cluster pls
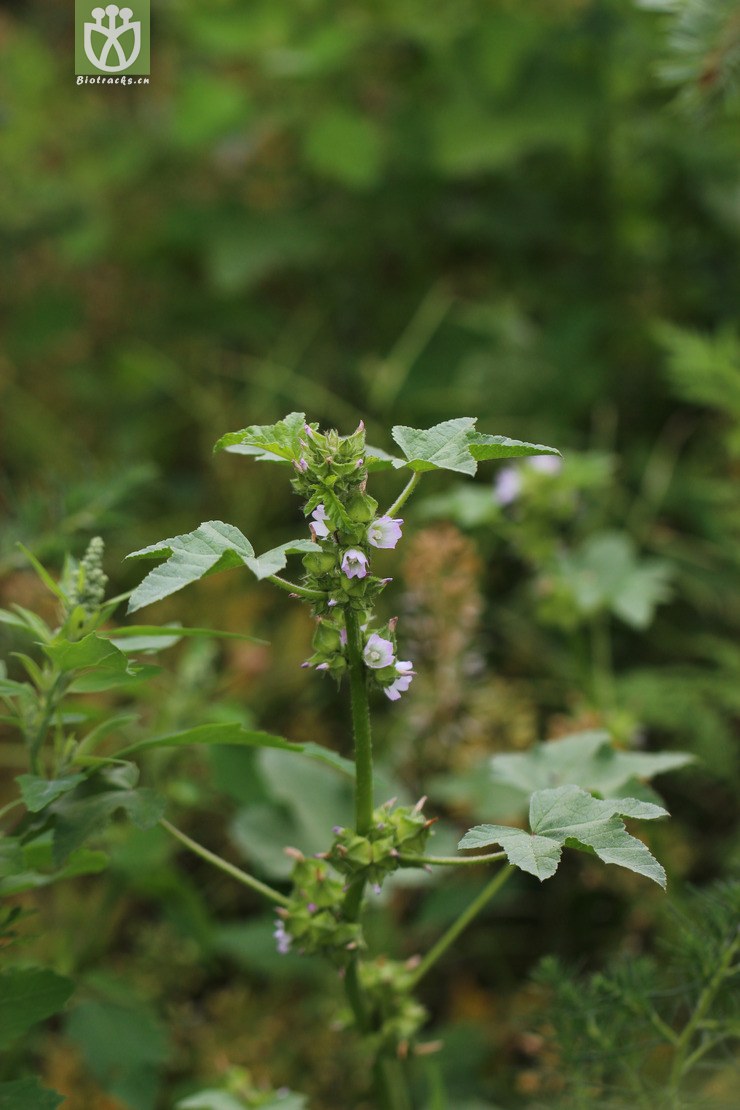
(331, 477)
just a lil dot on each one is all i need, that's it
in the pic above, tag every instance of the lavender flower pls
(508, 485)
(318, 523)
(546, 464)
(283, 939)
(354, 563)
(405, 672)
(384, 532)
(378, 652)
(301, 465)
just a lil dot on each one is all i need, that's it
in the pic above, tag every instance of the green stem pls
(301, 591)
(50, 700)
(405, 493)
(363, 799)
(453, 861)
(360, 726)
(390, 1083)
(223, 865)
(457, 927)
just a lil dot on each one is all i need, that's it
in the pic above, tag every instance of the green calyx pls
(313, 919)
(398, 1017)
(396, 832)
(362, 508)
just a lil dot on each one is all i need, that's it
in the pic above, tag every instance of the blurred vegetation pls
(401, 211)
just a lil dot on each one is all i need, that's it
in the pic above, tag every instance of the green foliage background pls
(400, 211)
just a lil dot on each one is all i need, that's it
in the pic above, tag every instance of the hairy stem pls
(363, 800)
(388, 1076)
(453, 861)
(223, 865)
(361, 727)
(405, 493)
(462, 922)
(301, 591)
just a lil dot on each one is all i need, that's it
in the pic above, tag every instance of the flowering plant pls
(70, 793)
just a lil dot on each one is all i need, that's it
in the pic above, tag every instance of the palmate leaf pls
(268, 442)
(213, 546)
(262, 566)
(586, 759)
(455, 445)
(570, 817)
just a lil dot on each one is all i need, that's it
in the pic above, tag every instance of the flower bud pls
(362, 508)
(327, 638)
(319, 562)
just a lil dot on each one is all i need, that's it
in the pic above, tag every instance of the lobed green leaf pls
(571, 817)
(484, 447)
(213, 546)
(262, 566)
(268, 442)
(455, 445)
(587, 759)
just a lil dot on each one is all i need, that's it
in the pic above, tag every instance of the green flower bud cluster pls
(331, 478)
(396, 832)
(329, 641)
(398, 1017)
(313, 921)
(333, 464)
(83, 585)
(89, 582)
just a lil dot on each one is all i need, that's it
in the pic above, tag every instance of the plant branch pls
(458, 926)
(405, 493)
(223, 865)
(453, 861)
(301, 591)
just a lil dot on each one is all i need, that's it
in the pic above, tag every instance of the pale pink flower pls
(378, 652)
(318, 523)
(405, 672)
(384, 532)
(354, 563)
